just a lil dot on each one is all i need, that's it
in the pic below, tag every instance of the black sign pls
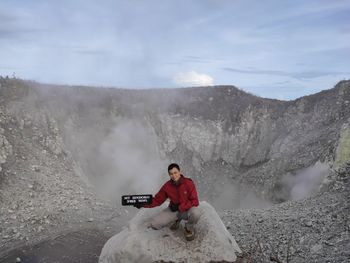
(136, 199)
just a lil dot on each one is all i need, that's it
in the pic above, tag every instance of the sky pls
(272, 48)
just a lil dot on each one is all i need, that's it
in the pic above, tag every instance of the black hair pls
(173, 165)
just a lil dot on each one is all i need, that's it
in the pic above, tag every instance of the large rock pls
(139, 243)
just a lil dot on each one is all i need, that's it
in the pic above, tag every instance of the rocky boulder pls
(140, 243)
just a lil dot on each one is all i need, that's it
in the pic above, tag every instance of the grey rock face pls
(40, 192)
(5, 149)
(238, 148)
(5, 146)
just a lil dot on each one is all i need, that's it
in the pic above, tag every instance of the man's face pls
(174, 174)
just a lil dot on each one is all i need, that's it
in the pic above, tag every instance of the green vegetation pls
(343, 150)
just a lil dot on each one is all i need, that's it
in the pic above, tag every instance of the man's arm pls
(189, 199)
(158, 199)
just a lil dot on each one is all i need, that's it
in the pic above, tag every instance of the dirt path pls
(79, 246)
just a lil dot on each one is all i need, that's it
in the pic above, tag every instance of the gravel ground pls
(316, 229)
(73, 247)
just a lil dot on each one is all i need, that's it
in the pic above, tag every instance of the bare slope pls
(60, 146)
(212, 131)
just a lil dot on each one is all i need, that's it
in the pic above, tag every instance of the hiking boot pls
(175, 225)
(189, 234)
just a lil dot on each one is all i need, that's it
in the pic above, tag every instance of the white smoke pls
(133, 162)
(238, 197)
(306, 182)
(293, 187)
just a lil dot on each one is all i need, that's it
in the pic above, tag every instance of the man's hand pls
(173, 207)
(138, 206)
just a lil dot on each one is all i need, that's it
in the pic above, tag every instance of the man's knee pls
(182, 215)
(194, 213)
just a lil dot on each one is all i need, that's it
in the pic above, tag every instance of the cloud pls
(198, 59)
(112, 44)
(296, 75)
(193, 78)
(307, 14)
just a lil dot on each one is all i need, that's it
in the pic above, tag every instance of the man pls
(183, 203)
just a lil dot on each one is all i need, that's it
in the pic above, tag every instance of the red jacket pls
(184, 194)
